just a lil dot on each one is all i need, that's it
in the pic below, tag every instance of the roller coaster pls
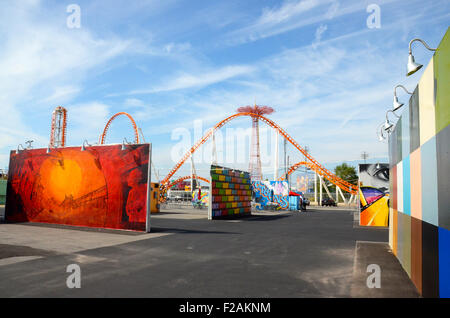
(291, 169)
(295, 166)
(105, 130)
(312, 163)
(171, 184)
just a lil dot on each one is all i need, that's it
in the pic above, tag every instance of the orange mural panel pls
(102, 186)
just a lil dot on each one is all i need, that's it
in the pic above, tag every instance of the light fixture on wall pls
(380, 133)
(125, 141)
(396, 104)
(412, 66)
(83, 147)
(18, 148)
(387, 124)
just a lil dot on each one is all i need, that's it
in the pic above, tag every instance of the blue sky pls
(172, 63)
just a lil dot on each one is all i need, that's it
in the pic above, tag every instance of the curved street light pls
(396, 104)
(412, 66)
(387, 124)
(380, 134)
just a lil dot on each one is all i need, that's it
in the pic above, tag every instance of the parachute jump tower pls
(58, 130)
(255, 154)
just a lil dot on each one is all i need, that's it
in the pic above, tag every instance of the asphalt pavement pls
(271, 254)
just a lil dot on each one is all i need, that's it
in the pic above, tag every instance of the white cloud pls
(133, 102)
(86, 121)
(294, 15)
(285, 12)
(42, 63)
(332, 10)
(198, 80)
(62, 94)
(318, 36)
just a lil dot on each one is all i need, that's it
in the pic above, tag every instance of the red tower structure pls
(58, 130)
(255, 154)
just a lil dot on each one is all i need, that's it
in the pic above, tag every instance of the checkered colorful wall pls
(419, 155)
(231, 193)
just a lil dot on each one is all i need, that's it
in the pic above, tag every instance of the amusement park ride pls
(58, 138)
(58, 131)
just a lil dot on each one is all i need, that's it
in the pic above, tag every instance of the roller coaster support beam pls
(315, 186)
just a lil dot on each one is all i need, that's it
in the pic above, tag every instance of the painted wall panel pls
(406, 186)
(102, 186)
(406, 140)
(427, 104)
(414, 127)
(398, 128)
(416, 253)
(400, 240)
(394, 231)
(444, 263)
(406, 245)
(231, 193)
(391, 230)
(429, 182)
(393, 157)
(394, 193)
(442, 76)
(373, 183)
(271, 192)
(400, 187)
(430, 260)
(416, 184)
(443, 176)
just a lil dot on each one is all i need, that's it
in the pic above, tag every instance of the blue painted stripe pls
(406, 186)
(444, 263)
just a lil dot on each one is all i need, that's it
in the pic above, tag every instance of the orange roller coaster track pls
(171, 184)
(295, 167)
(344, 185)
(136, 134)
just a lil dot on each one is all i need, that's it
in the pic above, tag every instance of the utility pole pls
(364, 156)
(285, 162)
(288, 177)
(275, 163)
(306, 170)
(315, 187)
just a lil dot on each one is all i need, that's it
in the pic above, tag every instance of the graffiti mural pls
(102, 186)
(271, 192)
(203, 198)
(374, 194)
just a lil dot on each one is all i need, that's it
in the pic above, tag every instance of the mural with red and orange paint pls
(101, 186)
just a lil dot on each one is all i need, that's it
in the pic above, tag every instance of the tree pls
(345, 172)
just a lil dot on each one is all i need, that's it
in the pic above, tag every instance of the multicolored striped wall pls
(231, 193)
(419, 154)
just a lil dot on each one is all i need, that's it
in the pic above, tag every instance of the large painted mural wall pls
(271, 192)
(374, 194)
(101, 186)
(230, 193)
(419, 151)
